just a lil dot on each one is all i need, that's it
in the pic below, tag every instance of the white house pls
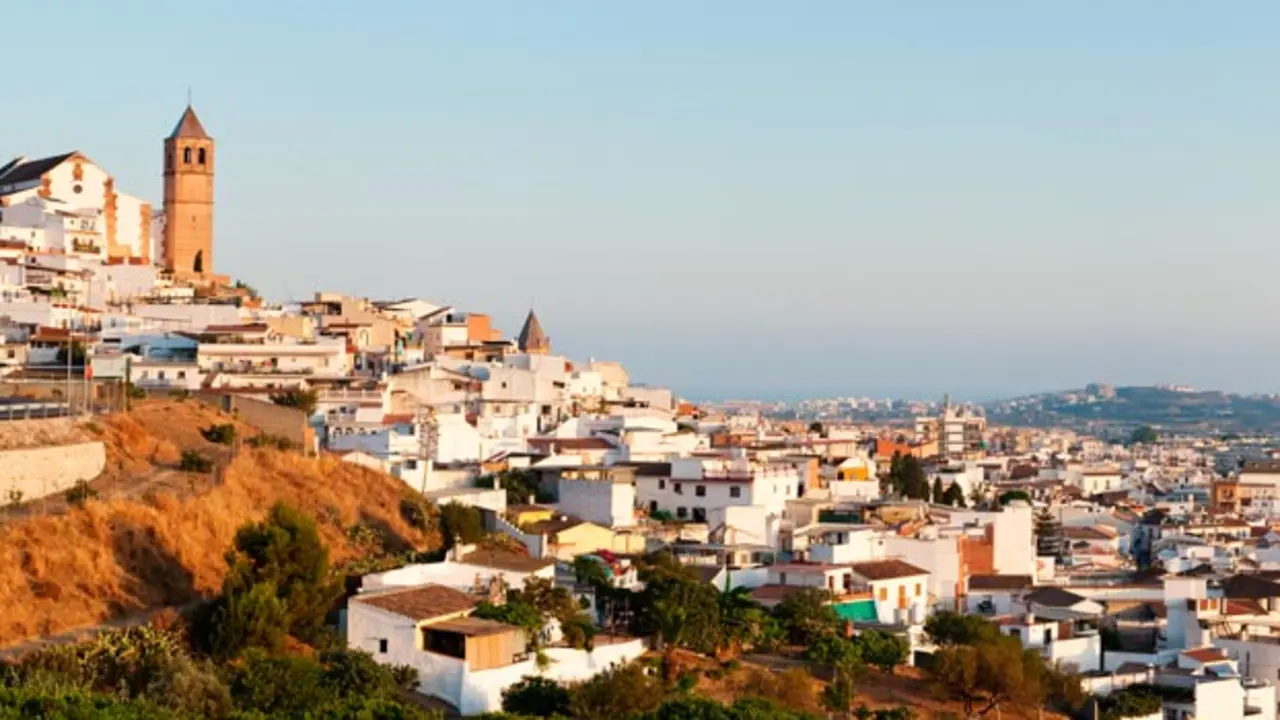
(460, 659)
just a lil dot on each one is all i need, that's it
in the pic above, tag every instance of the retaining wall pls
(37, 472)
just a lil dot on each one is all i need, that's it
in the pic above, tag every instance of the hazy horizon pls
(985, 198)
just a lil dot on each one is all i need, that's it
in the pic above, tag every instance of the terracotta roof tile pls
(887, 569)
(420, 603)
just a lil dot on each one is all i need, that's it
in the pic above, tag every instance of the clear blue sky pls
(862, 197)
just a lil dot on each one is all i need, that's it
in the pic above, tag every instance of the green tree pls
(912, 480)
(741, 617)
(952, 628)
(807, 615)
(460, 524)
(285, 552)
(990, 675)
(302, 399)
(834, 651)
(954, 496)
(1012, 495)
(591, 571)
(623, 691)
(536, 696)
(78, 353)
(837, 696)
(252, 618)
(881, 649)
(1144, 435)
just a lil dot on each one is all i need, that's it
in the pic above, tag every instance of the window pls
(160, 375)
(917, 589)
(700, 490)
(200, 156)
(382, 642)
(699, 514)
(186, 156)
(735, 492)
(662, 484)
(782, 578)
(682, 512)
(679, 489)
(182, 374)
(884, 594)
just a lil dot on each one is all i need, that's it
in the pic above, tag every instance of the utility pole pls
(428, 440)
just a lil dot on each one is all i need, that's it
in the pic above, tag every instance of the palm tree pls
(740, 617)
(672, 620)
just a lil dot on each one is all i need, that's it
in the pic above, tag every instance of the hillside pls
(156, 536)
(1096, 408)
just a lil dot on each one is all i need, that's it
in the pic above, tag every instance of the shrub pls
(304, 400)
(536, 696)
(416, 511)
(256, 618)
(619, 692)
(134, 392)
(284, 552)
(80, 492)
(193, 461)
(264, 440)
(223, 434)
(460, 524)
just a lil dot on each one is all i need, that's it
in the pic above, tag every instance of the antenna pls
(188, 96)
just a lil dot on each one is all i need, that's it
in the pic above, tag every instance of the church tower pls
(188, 199)
(533, 340)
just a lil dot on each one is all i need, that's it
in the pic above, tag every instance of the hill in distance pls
(1100, 407)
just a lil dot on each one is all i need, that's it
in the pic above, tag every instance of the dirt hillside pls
(157, 536)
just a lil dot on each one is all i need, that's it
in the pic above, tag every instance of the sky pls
(732, 197)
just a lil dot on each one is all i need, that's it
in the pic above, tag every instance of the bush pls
(224, 434)
(80, 492)
(134, 392)
(616, 693)
(304, 400)
(460, 524)
(284, 552)
(264, 440)
(193, 461)
(416, 511)
(255, 618)
(536, 696)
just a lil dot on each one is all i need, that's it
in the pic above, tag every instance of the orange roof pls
(1205, 655)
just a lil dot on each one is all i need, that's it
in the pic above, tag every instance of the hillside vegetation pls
(157, 535)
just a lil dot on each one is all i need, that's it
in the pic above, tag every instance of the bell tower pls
(188, 199)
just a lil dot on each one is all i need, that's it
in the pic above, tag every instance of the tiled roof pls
(506, 560)
(887, 569)
(1054, 597)
(1000, 582)
(420, 603)
(1205, 655)
(575, 443)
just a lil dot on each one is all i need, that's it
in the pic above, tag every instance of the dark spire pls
(532, 339)
(189, 126)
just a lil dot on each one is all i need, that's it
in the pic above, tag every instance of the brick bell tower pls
(188, 199)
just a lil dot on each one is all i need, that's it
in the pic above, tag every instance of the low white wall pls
(482, 691)
(37, 472)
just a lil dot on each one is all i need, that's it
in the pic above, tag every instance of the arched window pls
(200, 156)
(186, 156)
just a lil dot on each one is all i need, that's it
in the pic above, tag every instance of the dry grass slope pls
(113, 557)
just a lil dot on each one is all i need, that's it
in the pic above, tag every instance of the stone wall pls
(272, 419)
(37, 472)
